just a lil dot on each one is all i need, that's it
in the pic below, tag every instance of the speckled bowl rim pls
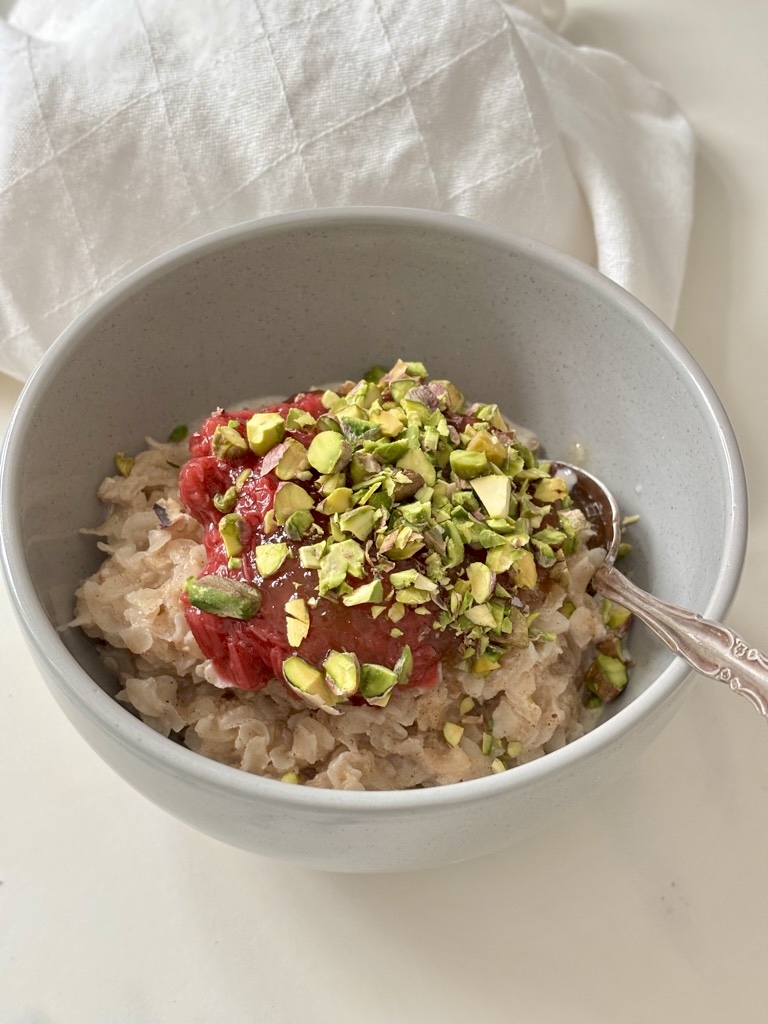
(212, 775)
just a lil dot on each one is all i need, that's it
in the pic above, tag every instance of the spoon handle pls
(710, 647)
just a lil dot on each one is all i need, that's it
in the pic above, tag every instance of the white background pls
(649, 903)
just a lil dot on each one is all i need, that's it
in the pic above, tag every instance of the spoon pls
(709, 647)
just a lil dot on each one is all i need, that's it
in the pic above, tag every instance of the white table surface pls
(648, 904)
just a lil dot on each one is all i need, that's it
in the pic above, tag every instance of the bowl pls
(274, 306)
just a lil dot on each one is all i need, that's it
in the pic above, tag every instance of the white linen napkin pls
(127, 128)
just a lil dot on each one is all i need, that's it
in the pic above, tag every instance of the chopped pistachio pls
(606, 677)
(178, 433)
(310, 555)
(308, 682)
(358, 521)
(453, 733)
(498, 766)
(229, 528)
(297, 621)
(298, 525)
(293, 461)
(481, 581)
(417, 461)
(269, 558)
(264, 430)
(494, 491)
(292, 778)
(328, 452)
(467, 705)
(524, 569)
(299, 419)
(368, 593)
(342, 672)
(550, 489)
(225, 502)
(404, 665)
(514, 748)
(339, 500)
(468, 464)
(289, 498)
(376, 680)
(124, 464)
(487, 743)
(223, 596)
(228, 443)
(614, 616)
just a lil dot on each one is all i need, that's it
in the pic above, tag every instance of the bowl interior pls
(285, 304)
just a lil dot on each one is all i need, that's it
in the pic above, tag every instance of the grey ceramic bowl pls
(277, 305)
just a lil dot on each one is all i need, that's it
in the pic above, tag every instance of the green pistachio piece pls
(355, 429)
(178, 433)
(389, 421)
(269, 558)
(299, 419)
(524, 569)
(614, 615)
(448, 395)
(606, 677)
(293, 461)
(228, 443)
(358, 521)
(264, 430)
(308, 681)
(416, 460)
(550, 489)
(328, 452)
(454, 545)
(229, 528)
(296, 621)
(289, 498)
(376, 681)
(341, 559)
(467, 464)
(453, 733)
(339, 500)
(369, 593)
(124, 464)
(298, 525)
(226, 502)
(403, 578)
(375, 374)
(481, 615)
(481, 581)
(500, 559)
(342, 673)
(490, 446)
(389, 451)
(220, 595)
(494, 491)
(310, 555)
(404, 666)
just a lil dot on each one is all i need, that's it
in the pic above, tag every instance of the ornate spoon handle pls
(709, 647)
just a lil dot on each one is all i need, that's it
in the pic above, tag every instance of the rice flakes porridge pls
(369, 588)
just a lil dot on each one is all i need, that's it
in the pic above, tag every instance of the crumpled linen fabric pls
(130, 126)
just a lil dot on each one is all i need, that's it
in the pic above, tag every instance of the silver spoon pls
(709, 647)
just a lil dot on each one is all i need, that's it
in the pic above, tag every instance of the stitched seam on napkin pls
(294, 128)
(60, 170)
(164, 101)
(407, 95)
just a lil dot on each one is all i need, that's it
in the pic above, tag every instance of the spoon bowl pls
(709, 647)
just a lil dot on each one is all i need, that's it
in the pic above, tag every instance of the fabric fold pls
(127, 129)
